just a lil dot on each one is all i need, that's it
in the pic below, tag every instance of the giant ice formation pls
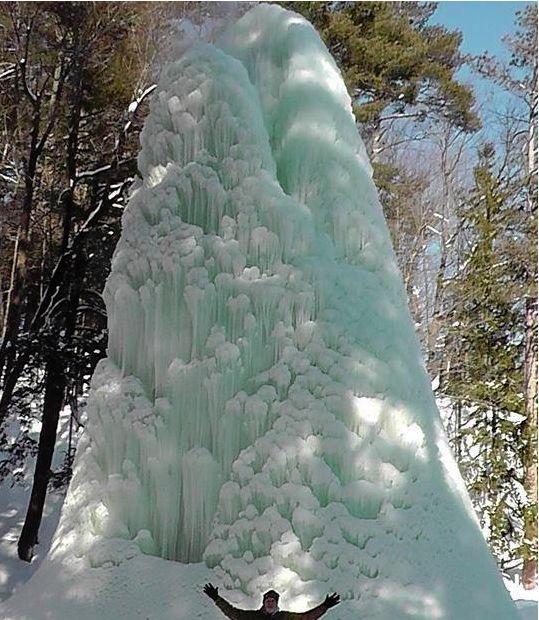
(264, 408)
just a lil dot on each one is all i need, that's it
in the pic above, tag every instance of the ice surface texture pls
(264, 407)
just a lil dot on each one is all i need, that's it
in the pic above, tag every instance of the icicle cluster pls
(264, 406)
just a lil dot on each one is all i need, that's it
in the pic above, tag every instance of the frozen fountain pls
(263, 417)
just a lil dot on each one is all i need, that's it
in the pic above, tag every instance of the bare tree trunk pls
(529, 569)
(6, 353)
(529, 572)
(54, 396)
(56, 365)
(451, 146)
(55, 388)
(44, 114)
(19, 269)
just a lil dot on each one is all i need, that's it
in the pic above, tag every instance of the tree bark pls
(56, 365)
(19, 269)
(529, 571)
(54, 396)
(56, 381)
(14, 304)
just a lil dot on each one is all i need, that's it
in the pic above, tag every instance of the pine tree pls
(519, 78)
(486, 376)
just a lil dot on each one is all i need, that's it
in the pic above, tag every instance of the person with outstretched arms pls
(270, 607)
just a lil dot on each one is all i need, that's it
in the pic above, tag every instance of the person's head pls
(270, 601)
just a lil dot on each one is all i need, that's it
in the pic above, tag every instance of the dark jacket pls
(259, 614)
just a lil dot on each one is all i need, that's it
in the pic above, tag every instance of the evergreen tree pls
(519, 78)
(486, 375)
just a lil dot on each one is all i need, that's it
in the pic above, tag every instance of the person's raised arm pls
(229, 610)
(330, 601)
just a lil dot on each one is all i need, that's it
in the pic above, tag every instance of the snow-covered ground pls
(149, 590)
(526, 600)
(188, 581)
(13, 505)
(14, 573)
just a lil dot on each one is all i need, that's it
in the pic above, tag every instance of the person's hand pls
(332, 600)
(211, 591)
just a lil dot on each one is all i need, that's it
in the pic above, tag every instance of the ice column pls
(264, 406)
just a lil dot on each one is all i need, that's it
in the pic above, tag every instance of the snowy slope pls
(263, 417)
(175, 588)
(14, 503)
(184, 581)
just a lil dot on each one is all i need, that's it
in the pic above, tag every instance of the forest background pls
(457, 180)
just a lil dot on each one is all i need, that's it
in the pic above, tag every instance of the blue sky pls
(482, 24)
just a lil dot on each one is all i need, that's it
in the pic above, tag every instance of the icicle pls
(199, 470)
